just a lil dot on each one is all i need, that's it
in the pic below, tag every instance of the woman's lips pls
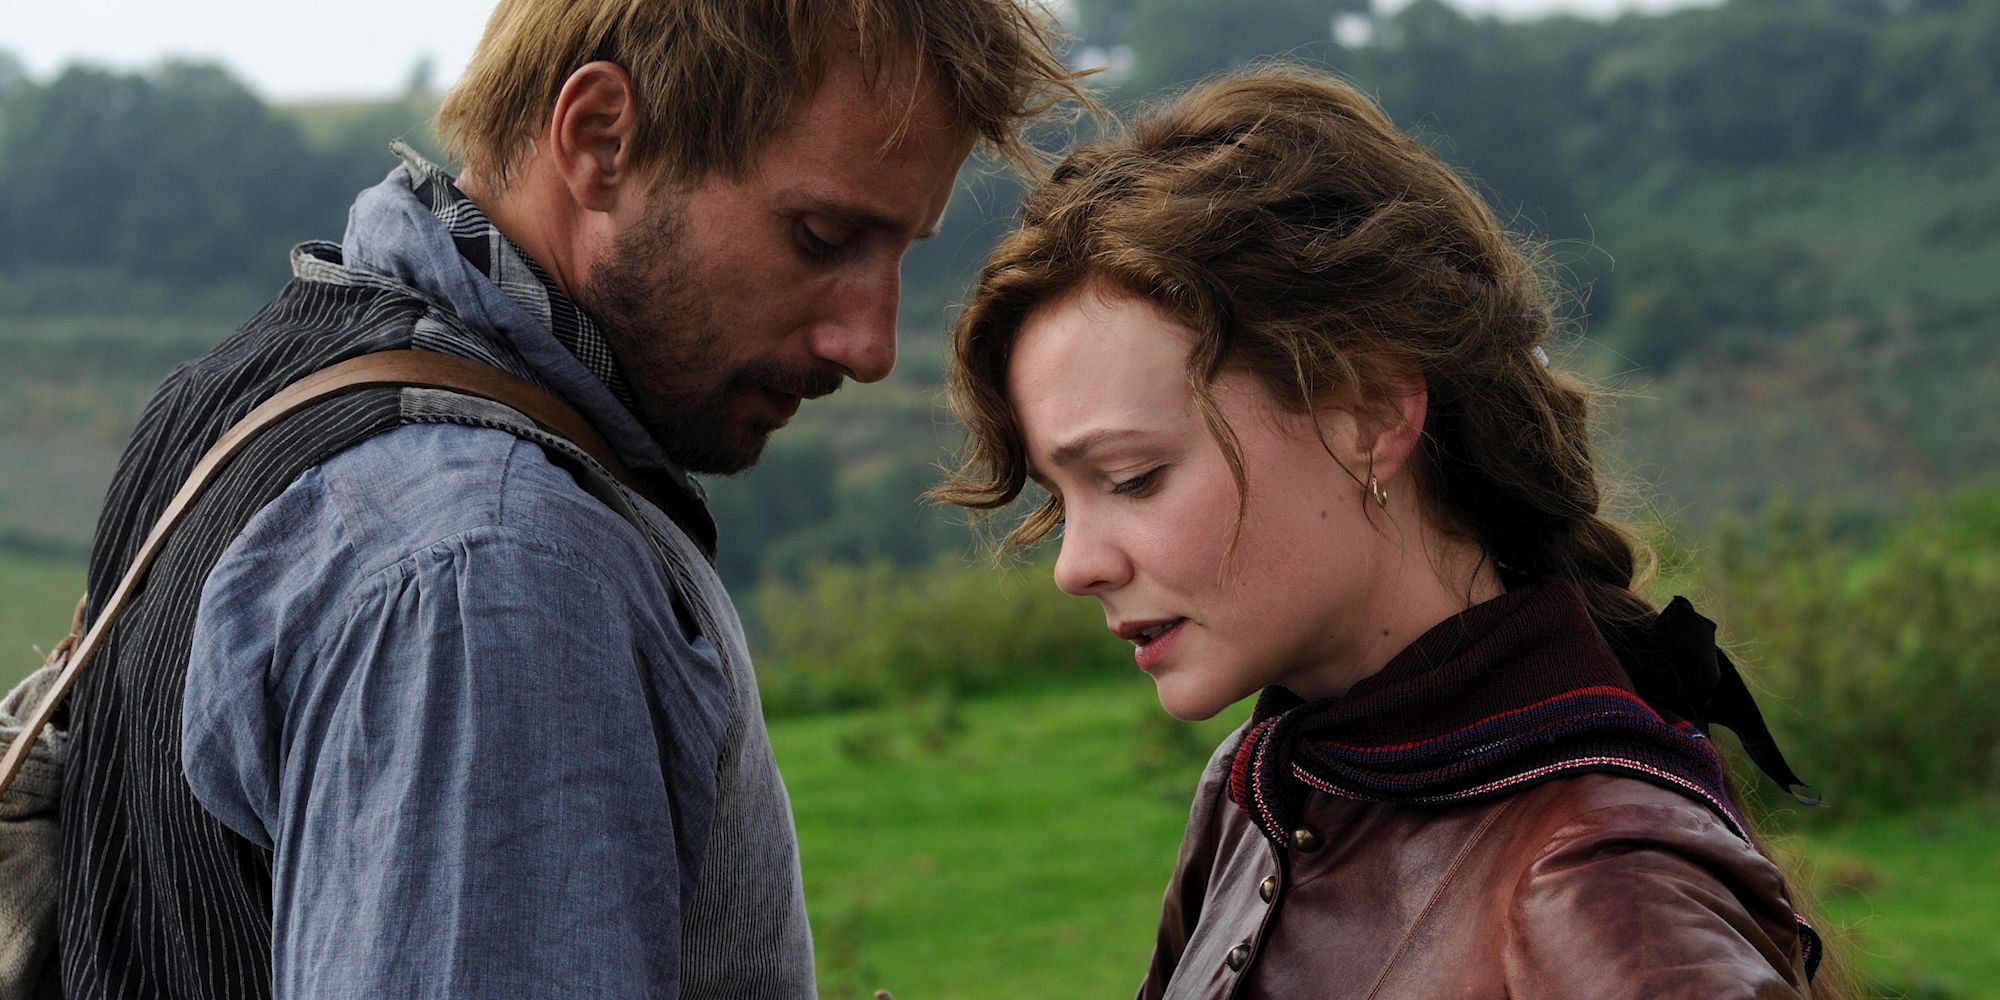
(1151, 650)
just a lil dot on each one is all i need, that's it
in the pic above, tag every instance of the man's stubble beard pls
(670, 346)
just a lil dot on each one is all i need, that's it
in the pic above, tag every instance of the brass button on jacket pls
(1238, 956)
(1306, 839)
(1268, 888)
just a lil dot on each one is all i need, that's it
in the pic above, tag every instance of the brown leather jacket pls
(1592, 886)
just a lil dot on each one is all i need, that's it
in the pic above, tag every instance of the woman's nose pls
(1088, 563)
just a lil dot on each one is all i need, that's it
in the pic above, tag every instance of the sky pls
(290, 50)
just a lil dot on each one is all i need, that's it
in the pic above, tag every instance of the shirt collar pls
(395, 233)
(489, 251)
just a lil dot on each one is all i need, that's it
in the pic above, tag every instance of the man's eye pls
(823, 240)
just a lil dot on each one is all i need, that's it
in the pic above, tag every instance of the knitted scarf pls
(1516, 691)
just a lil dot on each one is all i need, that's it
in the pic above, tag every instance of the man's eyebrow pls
(866, 218)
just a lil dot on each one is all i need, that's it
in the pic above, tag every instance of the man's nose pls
(858, 332)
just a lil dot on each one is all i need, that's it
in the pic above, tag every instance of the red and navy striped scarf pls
(1516, 691)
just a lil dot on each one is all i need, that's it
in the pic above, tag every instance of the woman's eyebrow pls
(1083, 444)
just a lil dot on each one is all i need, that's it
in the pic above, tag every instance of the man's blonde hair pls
(714, 78)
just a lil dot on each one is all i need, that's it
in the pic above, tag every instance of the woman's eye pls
(1138, 485)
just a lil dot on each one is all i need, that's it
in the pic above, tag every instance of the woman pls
(1281, 374)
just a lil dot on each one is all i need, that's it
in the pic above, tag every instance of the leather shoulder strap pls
(422, 369)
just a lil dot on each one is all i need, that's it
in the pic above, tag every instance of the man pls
(406, 710)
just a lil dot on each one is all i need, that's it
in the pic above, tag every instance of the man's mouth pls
(784, 403)
(809, 383)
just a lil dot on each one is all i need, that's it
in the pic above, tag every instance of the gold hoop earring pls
(1374, 487)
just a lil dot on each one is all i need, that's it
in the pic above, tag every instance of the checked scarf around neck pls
(489, 251)
(1516, 691)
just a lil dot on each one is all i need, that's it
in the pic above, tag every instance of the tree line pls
(181, 170)
(1643, 151)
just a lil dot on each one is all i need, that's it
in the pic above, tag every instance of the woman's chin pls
(1190, 706)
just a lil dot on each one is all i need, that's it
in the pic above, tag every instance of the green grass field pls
(1016, 845)
(1019, 850)
(1914, 896)
(37, 597)
(1023, 853)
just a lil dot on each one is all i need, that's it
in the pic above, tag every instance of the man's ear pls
(590, 135)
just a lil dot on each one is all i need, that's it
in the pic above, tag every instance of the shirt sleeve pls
(1656, 902)
(472, 762)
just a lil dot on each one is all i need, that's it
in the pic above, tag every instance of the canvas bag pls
(28, 835)
(31, 770)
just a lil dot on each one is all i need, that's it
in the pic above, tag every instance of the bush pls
(1877, 668)
(848, 636)
(1876, 661)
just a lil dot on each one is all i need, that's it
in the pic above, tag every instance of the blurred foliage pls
(849, 635)
(1777, 219)
(1782, 212)
(121, 170)
(1876, 663)
(846, 487)
(178, 172)
(1864, 651)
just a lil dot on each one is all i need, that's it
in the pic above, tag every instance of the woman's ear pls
(590, 135)
(1390, 428)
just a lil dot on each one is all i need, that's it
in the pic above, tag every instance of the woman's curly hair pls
(1277, 214)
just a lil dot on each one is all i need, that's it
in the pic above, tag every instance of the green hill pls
(1777, 220)
(1781, 228)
